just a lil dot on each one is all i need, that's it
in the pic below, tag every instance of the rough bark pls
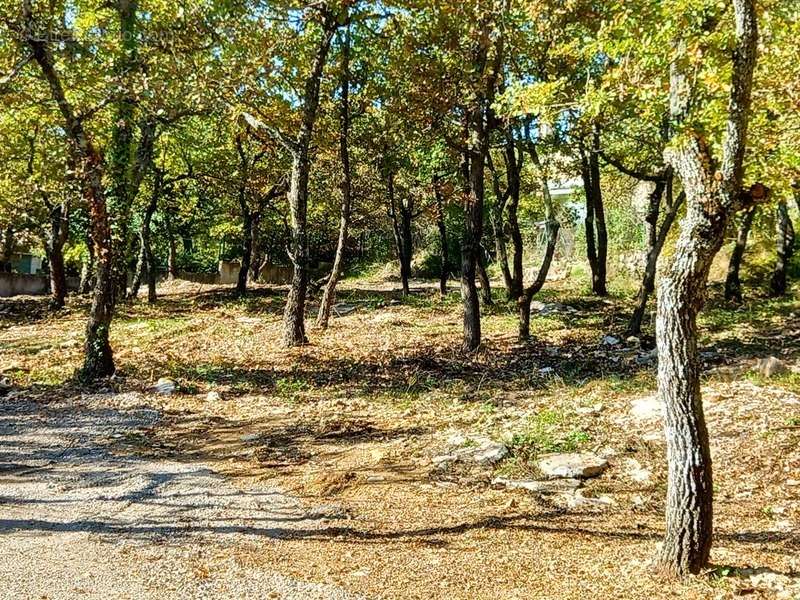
(733, 284)
(329, 293)
(711, 195)
(486, 73)
(784, 246)
(294, 331)
(98, 360)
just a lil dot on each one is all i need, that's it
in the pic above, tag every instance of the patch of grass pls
(544, 433)
(290, 386)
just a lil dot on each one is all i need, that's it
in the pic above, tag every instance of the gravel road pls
(78, 520)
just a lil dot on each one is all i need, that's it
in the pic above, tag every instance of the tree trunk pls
(595, 221)
(247, 250)
(444, 259)
(87, 268)
(733, 285)
(172, 249)
(483, 277)
(401, 215)
(7, 250)
(329, 293)
(656, 236)
(552, 227)
(98, 361)
(711, 195)
(784, 244)
(294, 333)
(524, 300)
(58, 235)
(145, 264)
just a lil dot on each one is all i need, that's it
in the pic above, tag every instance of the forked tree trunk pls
(657, 236)
(733, 284)
(524, 300)
(784, 245)
(711, 199)
(294, 331)
(329, 293)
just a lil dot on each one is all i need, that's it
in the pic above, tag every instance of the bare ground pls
(314, 465)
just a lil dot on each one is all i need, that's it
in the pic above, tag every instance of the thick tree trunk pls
(711, 199)
(444, 259)
(294, 332)
(656, 236)
(329, 293)
(7, 250)
(98, 361)
(784, 245)
(733, 284)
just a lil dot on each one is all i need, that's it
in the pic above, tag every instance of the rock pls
(487, 453)
(770, 366)
(572, 465)
(5, 386)
(576, 499)
(546, 370)
(632, 340)
(589, 410)
(535, 486)
(249, 437)
(342, 309)
(647, 409)
(610, 340)
(647, 358)
(443, 461)
(213, 397)
(636, 471)
(165, 386)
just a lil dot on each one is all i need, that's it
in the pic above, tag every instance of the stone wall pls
(19, 284)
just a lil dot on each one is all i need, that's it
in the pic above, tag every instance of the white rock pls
(610, 340)
(770, 366)
(647, 409)
(249, 437)
(489, 453)
(537, 487)
(636, 471)
(213, 397)
(573, 465)
(546, 370)
(165, 386)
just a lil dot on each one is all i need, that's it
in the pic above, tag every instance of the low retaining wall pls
(19, 284)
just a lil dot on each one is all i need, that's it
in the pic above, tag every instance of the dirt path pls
(79, 519)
